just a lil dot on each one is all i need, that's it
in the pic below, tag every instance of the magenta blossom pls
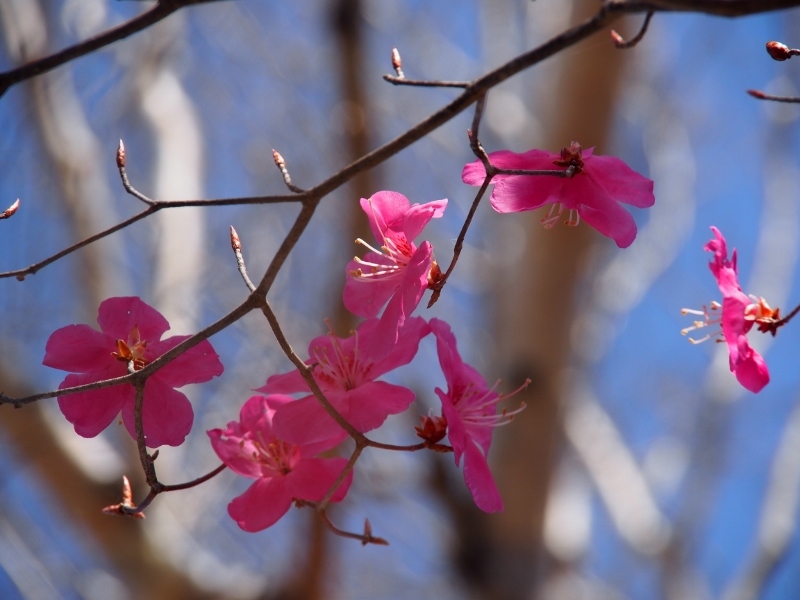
(594, 192)
(470, 409)
(398, 272)
(130, 330)
(738, 314)
(345, 370)
(283, 471)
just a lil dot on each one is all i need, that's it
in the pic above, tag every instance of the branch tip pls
(9, 212)
(121, 155)
(236, 243)
(279, 162)
(397, 63)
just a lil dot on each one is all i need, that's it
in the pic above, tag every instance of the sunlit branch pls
(163, 9)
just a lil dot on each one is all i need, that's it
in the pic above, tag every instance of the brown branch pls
(762, 96)
(721, 8)
(396, 80)
(162, 10)
(306, 373)
(620, 42)
(236, 245)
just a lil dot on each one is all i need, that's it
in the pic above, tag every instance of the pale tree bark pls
(535, 309)
(76, 156)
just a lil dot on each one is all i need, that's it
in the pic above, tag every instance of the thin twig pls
(305, 372)
(426, 82)
(287, 179)
(163, 9)
(124, 176)
(236, 244)
(620, 42)
(365, 538)
(762, 96)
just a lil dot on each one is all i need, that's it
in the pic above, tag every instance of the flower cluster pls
(286, 439)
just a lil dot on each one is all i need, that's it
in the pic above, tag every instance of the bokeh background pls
(640, 468)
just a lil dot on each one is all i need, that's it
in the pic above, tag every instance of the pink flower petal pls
(198, 364)
(304, 421)
(480, 481)
(404, 301)
(419, 215)
(385, 210)
(751, 369)
(366, 298)
(611, 220)
(261, 505)
(596, 191)
(80, 349)
(312, 478)
(405, 348)
(167, 415)
(370, 404)
(118, 316)
(229, 446)
(91, 412)
(620, 182)
(284, 383)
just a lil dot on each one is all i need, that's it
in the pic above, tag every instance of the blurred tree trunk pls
(346, 23)
(534, 321)
(122, 541)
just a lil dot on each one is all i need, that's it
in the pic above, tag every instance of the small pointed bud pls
(757, 94)
(127, 493)
(778, 51)
(121, 155)
(10, 210)
(279, 162)
(367, 528)
(397, 62)
(236, 243)
(618, 40)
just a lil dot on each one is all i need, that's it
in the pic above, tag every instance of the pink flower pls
(739, 312)
(470, 409)
(129, 330)
(283, 471)
(594, 192)
(345, 370)
(398, 272)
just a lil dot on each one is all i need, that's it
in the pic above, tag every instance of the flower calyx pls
(571, 158)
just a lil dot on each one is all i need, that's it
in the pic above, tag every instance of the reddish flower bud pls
(778, 51)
